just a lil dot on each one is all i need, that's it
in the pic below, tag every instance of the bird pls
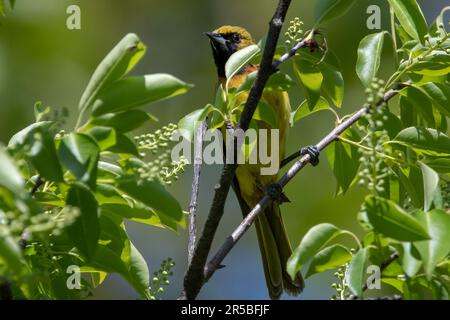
(248, 183)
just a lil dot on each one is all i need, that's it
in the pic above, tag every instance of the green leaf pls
(430, 185)
(441, 165)
(434, 66)
(344, 160)
(410, 17)
(326, 10)
(80, 154)
(391, 123)
(356, 271)
(387, 218)
(433, 251)
(50, 199)
(133, 92)
(118, 254)
(104, 136)
(310, 78)
(10, 176)
(394, 283)
(240, 59)
(188, 124)
(141, 215)
(421, 103)
(303, 111)
(328, 259)
(333, 81)
(410, 263)
(124, 146)
(369, 57)
(313, 241)
(97, 278)
(154, 195)
(138, 269)
(122, 122)
(122, 58)
(85, 231)
(10, 251)
(439, 94)
(22, 137)
(134, 269)
(107, 260)
(43, 157)
(40, 149)
(424, 140)
(412, 180)
(106, 193)
(108, 170)
(264, 112)
(278, 82)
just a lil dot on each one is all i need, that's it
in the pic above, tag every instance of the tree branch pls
(39, 182)
(194, 278)
(193, 204)
(230, 242)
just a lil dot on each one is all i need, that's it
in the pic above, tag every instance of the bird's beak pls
(216, 38)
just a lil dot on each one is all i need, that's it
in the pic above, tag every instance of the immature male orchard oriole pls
(249, 184)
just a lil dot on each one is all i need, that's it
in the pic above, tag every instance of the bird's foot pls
(313, 152)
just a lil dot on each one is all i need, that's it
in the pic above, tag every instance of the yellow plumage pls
(249, 183)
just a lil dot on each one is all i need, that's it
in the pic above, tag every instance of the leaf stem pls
(357, 144)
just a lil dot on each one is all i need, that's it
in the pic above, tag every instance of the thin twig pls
(39, 182)
(193, 204)
(230, 242)
(194, 278)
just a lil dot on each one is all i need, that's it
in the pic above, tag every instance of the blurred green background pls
(40, 60)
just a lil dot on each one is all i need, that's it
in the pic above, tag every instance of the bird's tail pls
(275, 252)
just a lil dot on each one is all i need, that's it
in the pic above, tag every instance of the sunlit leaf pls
(369, 57)
(430, 185)
(356, 272)
(424, 140)
(313, 241)
(240, 59)
(433, 251)
(79, 153)
(85, 231)
(10, 176)
(122, 58)
(303, 111)
(387, 218)
(188, 124)
(328, 259)
(10, 252)
(439, 94)
(310, 78)
(133, 92)
(154, 195)
(122, 122)
(344, 160)
(410, 17)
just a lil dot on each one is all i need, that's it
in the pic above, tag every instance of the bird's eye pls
(236, 37)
